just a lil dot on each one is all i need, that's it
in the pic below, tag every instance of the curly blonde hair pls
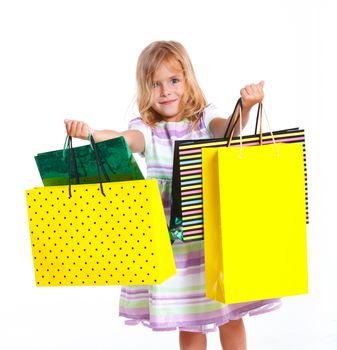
(171, 52)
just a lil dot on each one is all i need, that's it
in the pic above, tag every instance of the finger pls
(79, 128)
(84, 130)
(259, 88)
(73, 127)
(250, 89)
(244, 94)
(67, 123)
(256, 91)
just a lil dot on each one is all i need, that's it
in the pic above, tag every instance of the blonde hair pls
(158, 52)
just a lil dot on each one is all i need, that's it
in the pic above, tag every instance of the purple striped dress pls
(180, 302)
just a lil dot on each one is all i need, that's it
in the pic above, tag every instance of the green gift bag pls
(115, 155)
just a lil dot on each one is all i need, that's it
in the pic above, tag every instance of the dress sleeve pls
(138, 124)
(210, 112)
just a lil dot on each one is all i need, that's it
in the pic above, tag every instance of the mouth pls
(167, 102)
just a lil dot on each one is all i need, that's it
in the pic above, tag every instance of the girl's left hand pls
(252, 94)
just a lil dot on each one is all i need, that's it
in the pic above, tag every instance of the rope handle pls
(238, 117)
(72, 162)
(234, 119)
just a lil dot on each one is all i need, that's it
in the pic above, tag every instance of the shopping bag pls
(254, 222)
(187, 182)
(115, 155)
(99, 234)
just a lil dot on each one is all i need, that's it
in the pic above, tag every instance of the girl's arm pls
(134, 138)
(251, 95)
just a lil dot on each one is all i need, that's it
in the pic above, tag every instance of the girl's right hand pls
(77, 129)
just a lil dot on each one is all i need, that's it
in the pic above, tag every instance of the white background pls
(76, 59)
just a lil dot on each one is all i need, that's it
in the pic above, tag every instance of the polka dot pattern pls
(90, 239)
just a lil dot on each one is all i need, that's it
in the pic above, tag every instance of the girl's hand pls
(252, 94)
(77, 129)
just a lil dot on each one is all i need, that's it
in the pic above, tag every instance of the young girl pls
(172, 106)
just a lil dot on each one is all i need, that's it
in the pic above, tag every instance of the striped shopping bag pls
(187, 186)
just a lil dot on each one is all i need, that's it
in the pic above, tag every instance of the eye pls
(155, 84)
(175, 81)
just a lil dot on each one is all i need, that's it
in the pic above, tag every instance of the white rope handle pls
(240, 116)
(271, 133)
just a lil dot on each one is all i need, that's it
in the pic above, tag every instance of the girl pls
(172, 106)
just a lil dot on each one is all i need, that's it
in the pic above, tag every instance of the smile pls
(167, 102)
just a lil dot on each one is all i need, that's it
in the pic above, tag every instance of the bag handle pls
(234, 119)
(72, 160)
(259, 117)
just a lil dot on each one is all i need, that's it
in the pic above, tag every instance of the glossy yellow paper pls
(254, 213)
(91, 239)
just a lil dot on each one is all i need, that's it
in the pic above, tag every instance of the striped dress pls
(180, 302)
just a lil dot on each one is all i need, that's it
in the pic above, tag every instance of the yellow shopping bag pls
(255, 222)
(99, 234)
(91, 239)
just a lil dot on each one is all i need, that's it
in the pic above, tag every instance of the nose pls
(164, 91)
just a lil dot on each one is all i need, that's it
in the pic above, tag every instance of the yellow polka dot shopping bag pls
(106, 233)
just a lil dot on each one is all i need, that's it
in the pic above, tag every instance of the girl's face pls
(168, 88)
